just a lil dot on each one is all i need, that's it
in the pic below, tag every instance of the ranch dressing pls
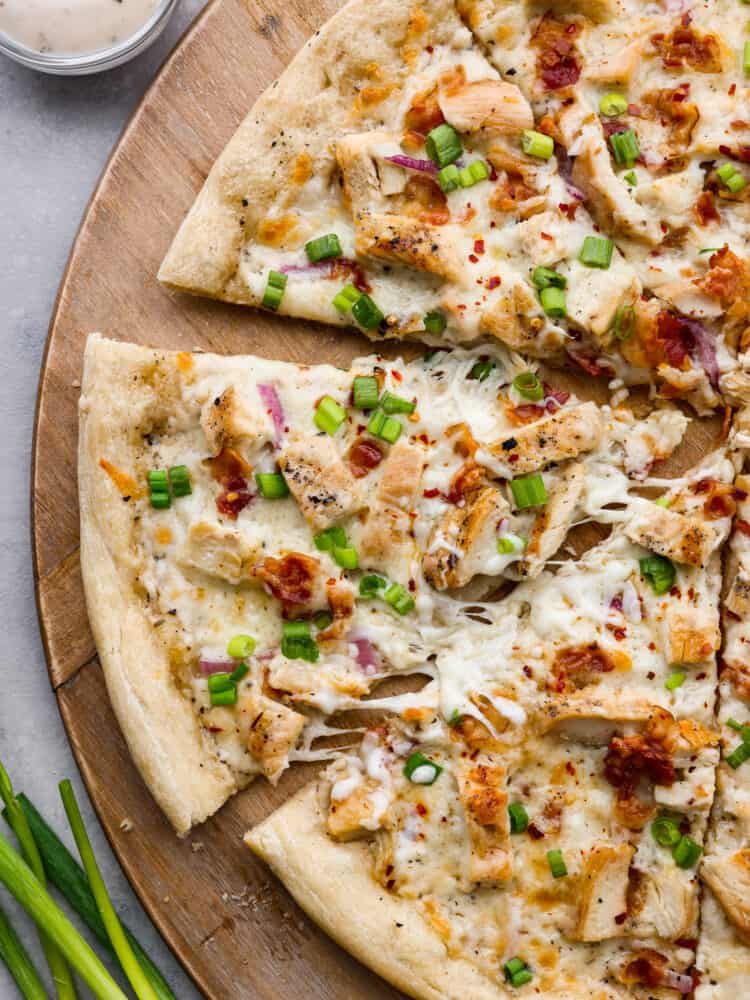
(73, 27)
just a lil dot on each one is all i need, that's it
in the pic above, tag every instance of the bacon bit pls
(290, 579)
(473, 258)
(464, 443)
(647, 969)
(124, 482)
(577, 667)
(479, 246)
(424, 113)
(534, 832)
(421, 809)
(685, 46)
(558, 395)
(629, 759)
(670, 332)
(234, 499)
(635, 110)
(612, 126)
(364, 455)
(425, 201)
(557, 61)
(228, 466)
(720, 499)
(705, 209)
(431, 494)
(468, 479)
(589, 365)
(493, 282)
(526, 413)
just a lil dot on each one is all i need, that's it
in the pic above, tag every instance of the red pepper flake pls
(513, 458)
(732, 90)
(479, 246)
(473, 258)
(493, 177)
(621, 918)
(429, 48)
(650, 675)
(397, 376)
(534, 832)
(570, 768)
(743, 526)
(546, 236)
(528, 672)
(421, 809)
(494, 282)
(568, 209)
(431, 494)
(652, 646)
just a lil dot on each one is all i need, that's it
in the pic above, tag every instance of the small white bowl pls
(80, 64)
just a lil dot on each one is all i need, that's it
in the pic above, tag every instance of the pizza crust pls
(184, 776)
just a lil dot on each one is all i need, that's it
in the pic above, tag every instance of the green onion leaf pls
(557, 864)
(743, 730)
(666, 831)
(274, 292)
(296, 630)
(297, 642)
(455, 718)
(543, 277)
(553, 302)
(346, 298)
(625, 320)
(625, 147)
(366, 312)
(365, 392)
(529, 491)
(443, 145)
(522, 978)
(596, 252)
(686, 852)
(179, 480)
(331, 538)
(272, 485)
(537, 144)
(659, 572)
(420, 770)
(323, 248)
(746, 59)
(664, 501)
(228, 696)
(481, 370)
(329, 415)
(396, 404)
(675, 680)
(471, 175)
(519, 818)
(20, 965)
(711, 249)
(612, 105)
(449, 178)
(739, 756)
(399, 599)
(631, 177)
(528, 385)
(370, 585)
(220, 682)
(434, 322)
(346, 557)
(387, 428)
(517, 972)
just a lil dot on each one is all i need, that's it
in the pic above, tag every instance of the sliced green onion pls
(481, 370)
(664, 502)
(387, 428)
(329, 415)
(473, 173)
(686, 852)
(596, 252)
(241, 646)
(528, 385)
(399, 598)
(659, 572)
(323, 248)
(158, 485)
(396, 404)
(449, 178)
(529, 491)
(370, 585)
(711, 249)
(522, 978)
(346, 557)
(443, 145)
(420, 770)
(240, 672)
(220, 682)
(666, 831)
(739, 756)
(612, 105)
(179, 480)
(226, 697)
(160, 501)
(543, 277)
(272, 485)
(557, 864)
(365, 392)
(510, 544)
(736, 183)
(346, 298)
(625, 147)
(434, 322)
(296, 630)
(553, 302)
(366, 312)
(300, 649)
(675, 680)
(455, 718)
(332, 538)
(625, 321)
(519, 818)
(19, 963)
(743, 730)
(746, 58)
(537, 144)
(631, 177)
(323, 620)
(376, 423)
(517, 972)
(129, 963)
(274, 291)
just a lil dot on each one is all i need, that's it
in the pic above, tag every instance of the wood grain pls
(233, 926)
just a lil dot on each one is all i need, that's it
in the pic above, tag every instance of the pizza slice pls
(543, 827)
(548, 180)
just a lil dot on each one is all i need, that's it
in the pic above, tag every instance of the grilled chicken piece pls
(295, 579)
(680, 537)
(271, 730)
(214, 550)
(602, 893)
(553, 521)
(401, 481)
(516, 319)
(565, 434)
(491, 107)
(728, 877)
(737, 599)
(593, 719)
(693, 633)
(321, 483)
(662, 903)
(463, 540)
(594, 295)
(481, 788)
(228, 421)
(351, 817)
(399, 239)
(362, 183)
(615, 67)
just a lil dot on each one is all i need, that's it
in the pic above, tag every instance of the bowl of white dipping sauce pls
(73, 37)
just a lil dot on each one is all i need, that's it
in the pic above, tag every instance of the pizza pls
(567, 180)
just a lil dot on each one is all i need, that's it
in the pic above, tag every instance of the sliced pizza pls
(568, 181)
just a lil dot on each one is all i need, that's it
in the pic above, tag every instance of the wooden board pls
(233, 926)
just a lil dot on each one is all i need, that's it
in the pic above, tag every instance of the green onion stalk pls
(61, 974)
(19, 964)
(130, 965)
(21, 882)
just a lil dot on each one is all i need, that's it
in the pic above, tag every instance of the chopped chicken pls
(728, 877)
(677, 536)
(594, 295)
(351, 817)
(271, 730)
(227, 420)
(399, 239)
(463, 540)
(565, 434)
(214, 550)
(553, 520)
(661, 903)
(602, 892)
(320, 481)
(481, 788)
(491, 107)
(693, 633)
(357, 162)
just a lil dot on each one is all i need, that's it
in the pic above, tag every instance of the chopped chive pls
(596, 252)
(519, 818)
(449, 178)
(241, 646)
(370, 585)
(625, 147)
(543, 277)
(625, 321)
(296, 630)
(659, 572)
(675, 680)
(537, 144)
(631, 177)
(274, 291)
(529, 491)
(557, 864)
(220, 682)
(391, 403)
(434, 322)
(471, 175)
(528, 385)
(226, 697)
(553, 302)
(366, 312)
(612, 105)
(323, 248)
(481, 370)
(666, 831)
(365, 392)
(272, 485)
(522, 978)
(329, 415)
(739, 756)
(158, 485)
(346, 298)
(399, 598)
(297, 642)
(346, 557)
(179, 480)
(510, 544)
(420, 770)
(331, 538)
(443, 145)
(686, 852)
(160, 501)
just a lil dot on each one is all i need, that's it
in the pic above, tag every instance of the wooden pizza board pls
(234, 927)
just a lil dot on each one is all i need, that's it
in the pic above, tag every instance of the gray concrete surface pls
(55, 135)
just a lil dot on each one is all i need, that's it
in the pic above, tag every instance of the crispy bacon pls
(235, 498)
(228, 466)
(424, 113)
(705, 209)
(577, 667)
(672, 108)
(558, 61)
(464, 443)
(727, 277)
(721, 499)
(685, 46)
(589, 365)
(631, 759)
(526, 413)
(468, 479)
(424, 200)
(647, 969)
(290, 578)
(364, 455)
(511, 193)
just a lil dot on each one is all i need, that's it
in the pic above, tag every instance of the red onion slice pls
(677, 981)
(411, 163)
(271, 401)
(367, 656)
(705, 348)
(210, 667)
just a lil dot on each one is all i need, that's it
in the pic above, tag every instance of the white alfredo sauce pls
(74, 27)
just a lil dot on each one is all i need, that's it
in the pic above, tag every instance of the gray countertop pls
(55, 136)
